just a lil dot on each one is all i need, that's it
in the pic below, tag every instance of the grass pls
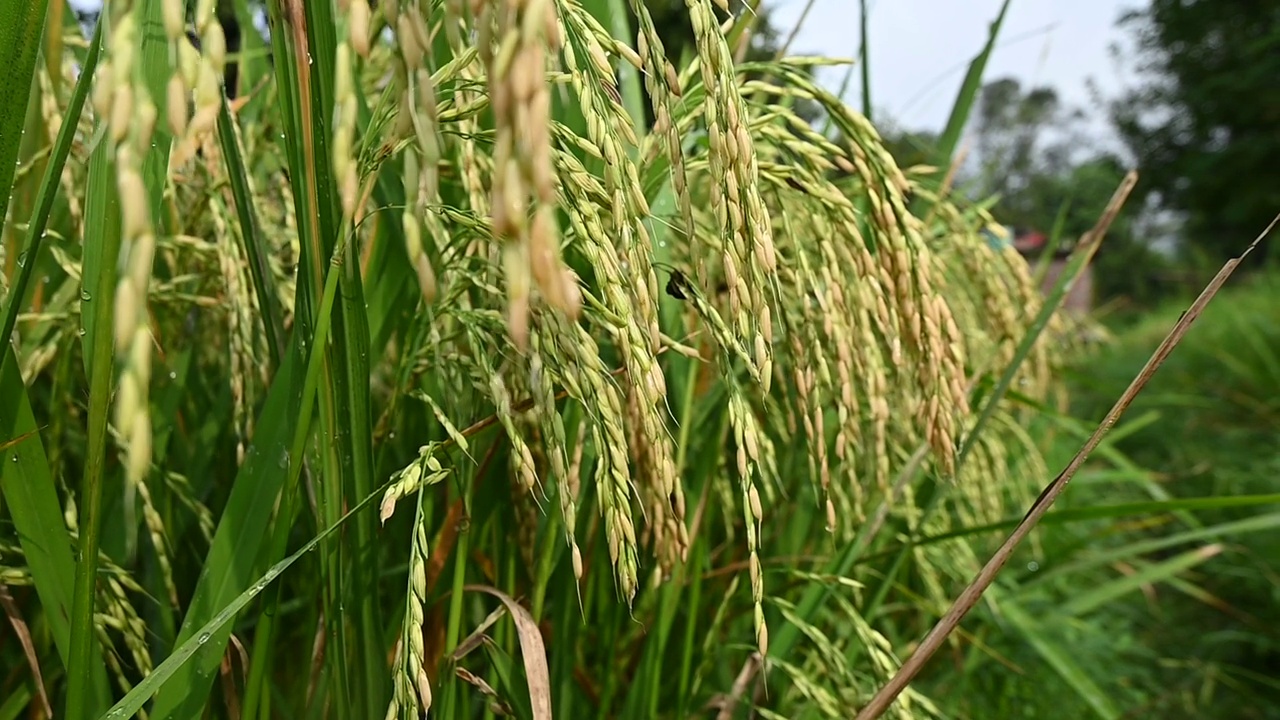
(1212, 410)
(1148, 589)
(638, 406)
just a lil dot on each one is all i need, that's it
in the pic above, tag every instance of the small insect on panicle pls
(676, 285)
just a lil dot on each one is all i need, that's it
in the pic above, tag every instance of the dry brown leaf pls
(532, 651)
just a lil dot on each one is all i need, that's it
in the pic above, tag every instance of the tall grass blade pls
(238, 540)
(946, 148)
(864, 56)
(1059, 659)
(101, 237)
(1136, 509)
(1095, 597)
(305, 40)
(255, 245)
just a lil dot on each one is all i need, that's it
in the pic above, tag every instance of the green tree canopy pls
(1203, 124)
(1028, 152)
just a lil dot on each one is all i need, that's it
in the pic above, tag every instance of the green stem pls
(359, 436)
(102, 367)
(251, 236)
(454, 628)
(545, 566)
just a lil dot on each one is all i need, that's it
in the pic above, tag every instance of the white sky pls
(920, 49)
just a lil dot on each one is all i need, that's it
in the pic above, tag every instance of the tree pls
(1203, 124)
(1030, 155)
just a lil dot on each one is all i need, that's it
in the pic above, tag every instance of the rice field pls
(420, 372)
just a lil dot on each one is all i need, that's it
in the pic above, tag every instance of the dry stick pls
(24, 639)
(973, 593)
(730, 702)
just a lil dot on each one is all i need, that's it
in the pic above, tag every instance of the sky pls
(920, 49)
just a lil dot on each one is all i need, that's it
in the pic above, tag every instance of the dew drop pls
(85, 296)
(22, 259)
(15, 458)
(82, 332)
(284, 459)
(204, 638)
(1033, 566)
(45, 280)
(173, 375)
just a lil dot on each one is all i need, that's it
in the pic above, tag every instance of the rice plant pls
(418, 373)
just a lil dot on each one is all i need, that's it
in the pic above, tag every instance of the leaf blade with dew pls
(26, 482)
(245, 519)
(355, 408)
(100, 272)
(201, 636)
(240, 533)
(930, 644)
(102, 202)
